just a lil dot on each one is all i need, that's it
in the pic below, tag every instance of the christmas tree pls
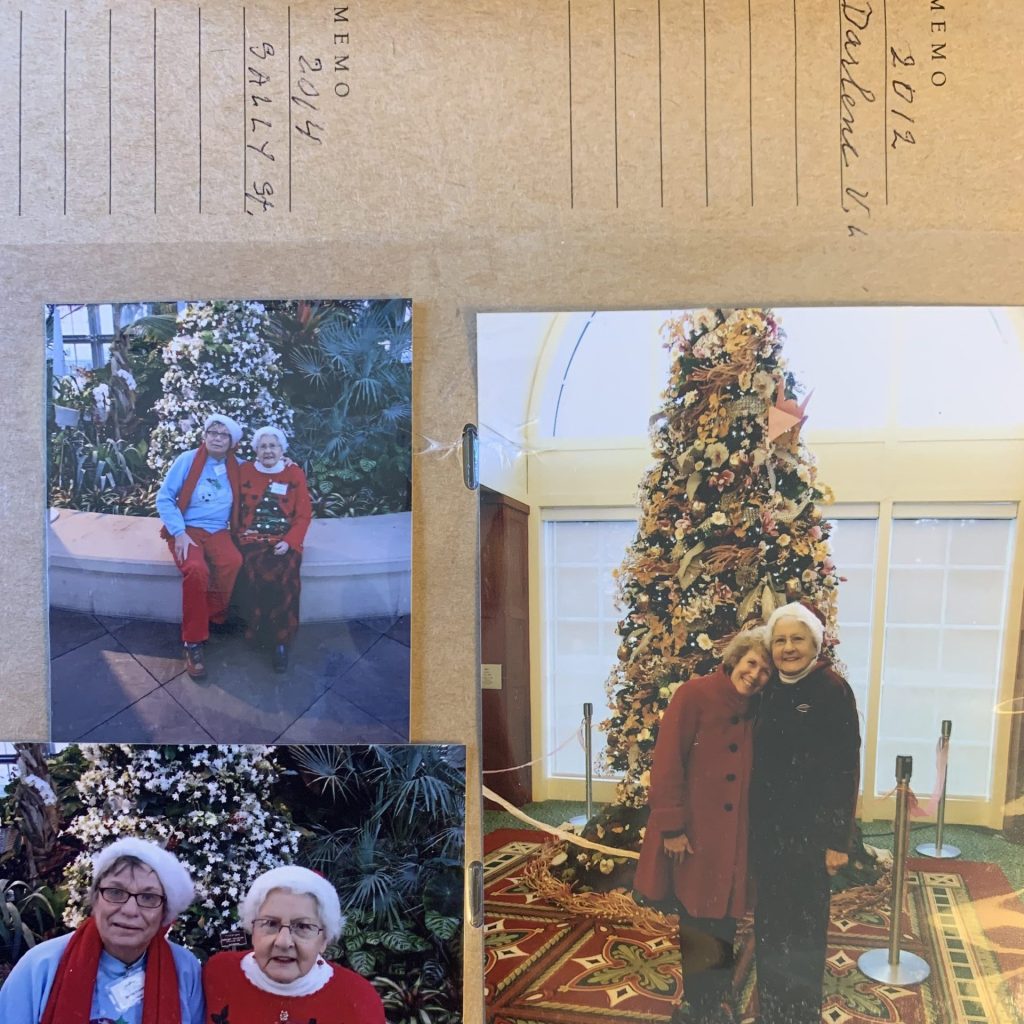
(729, 529)
(219, 360)
(208, 805)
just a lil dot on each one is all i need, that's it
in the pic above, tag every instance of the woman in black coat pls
(802, 801)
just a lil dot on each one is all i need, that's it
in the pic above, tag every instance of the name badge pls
(278, 488)
(220, 470)
(128, 991)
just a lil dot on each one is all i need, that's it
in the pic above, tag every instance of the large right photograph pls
(752, 685)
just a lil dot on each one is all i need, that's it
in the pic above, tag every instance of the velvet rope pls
(577, 735)
(567, 837)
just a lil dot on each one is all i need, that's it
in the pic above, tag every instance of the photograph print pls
(779, 552)
(229, 528)
(241, 884)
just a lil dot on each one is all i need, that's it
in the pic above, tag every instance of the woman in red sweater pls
(292, 913)
(274, 514)
(694, 853)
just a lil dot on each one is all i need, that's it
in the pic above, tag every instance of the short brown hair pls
(746, 640)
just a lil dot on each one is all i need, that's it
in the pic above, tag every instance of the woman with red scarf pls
(117, 967)
(274, 514)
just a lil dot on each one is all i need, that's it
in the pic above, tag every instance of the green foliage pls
(346, 374)
(399, 870)
(349, 380)
(418, 1002)
(27, 916)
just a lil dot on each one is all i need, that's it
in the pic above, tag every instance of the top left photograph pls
(229, 520)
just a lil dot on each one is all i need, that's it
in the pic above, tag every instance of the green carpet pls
(976, 844)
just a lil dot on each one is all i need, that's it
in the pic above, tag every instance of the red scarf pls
(195, 471)
(70, 999)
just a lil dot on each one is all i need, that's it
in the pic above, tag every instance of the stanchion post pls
(580, 820)
(588, 746)
(937, 849)
(892, 965)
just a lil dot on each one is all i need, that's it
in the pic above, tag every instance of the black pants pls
(790, 928)
(706, 950)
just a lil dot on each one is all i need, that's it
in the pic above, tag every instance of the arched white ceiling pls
(597, 375)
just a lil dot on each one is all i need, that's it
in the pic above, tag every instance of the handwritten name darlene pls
(855, 17)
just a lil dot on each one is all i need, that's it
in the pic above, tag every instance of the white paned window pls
(853, 549)
(945, 614)
(580, 620)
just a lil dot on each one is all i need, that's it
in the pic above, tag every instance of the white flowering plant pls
(210, 805)
(219, 360)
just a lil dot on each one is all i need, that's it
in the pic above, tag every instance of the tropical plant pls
(27, 916)
(398, 869)
(349, 380)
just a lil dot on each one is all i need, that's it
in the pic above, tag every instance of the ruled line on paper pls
(65, 112)
(110, 111)
(615, 95)
(885, 96)
(245, 155)
(572, 180)
(750, 95)
(704, 34)
(842, 158)
(661, 117)
(154, 110)
(21, 35)
(796, 114)
(288, 102)
(199, 58)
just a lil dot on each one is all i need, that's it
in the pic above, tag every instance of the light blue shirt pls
(210, 507)
(25, 992)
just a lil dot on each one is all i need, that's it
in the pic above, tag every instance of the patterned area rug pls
(545, 966)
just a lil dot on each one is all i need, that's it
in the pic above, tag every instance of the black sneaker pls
(194, 664)
(280, 659)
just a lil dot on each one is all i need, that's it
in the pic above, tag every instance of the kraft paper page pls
(550, 154)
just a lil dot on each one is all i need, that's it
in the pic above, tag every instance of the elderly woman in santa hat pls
(197, 503)
(803, 796)
(292, 914)
(274, 514)
(118, 964)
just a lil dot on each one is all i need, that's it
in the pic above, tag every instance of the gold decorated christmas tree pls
(729, 529)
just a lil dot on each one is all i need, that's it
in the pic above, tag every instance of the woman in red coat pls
(695, 847)
(274, 514)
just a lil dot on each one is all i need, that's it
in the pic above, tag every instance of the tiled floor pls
(123, 680)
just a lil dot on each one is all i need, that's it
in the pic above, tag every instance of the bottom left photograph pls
(154, 884)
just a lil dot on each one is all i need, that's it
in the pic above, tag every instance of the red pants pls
(208, 578)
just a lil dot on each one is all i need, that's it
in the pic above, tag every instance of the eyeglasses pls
(304, 931)
(145, 900)
(219, 435)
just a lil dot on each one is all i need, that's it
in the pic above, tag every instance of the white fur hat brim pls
(299, 880)
(273, 431)
(803, 614)
(179, 892)
(233, 428)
